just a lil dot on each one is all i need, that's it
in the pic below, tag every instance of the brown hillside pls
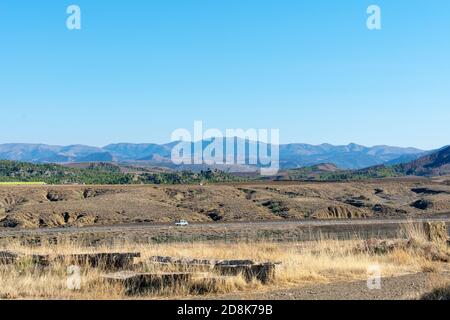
(56, 206)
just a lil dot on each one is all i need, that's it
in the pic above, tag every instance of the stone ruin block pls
(183, 264)
(235, 263)
(136, 283)
(8, 257)
(41, 261)
(182, 261)
(264, 272)
(106, 261)
(36, 260)
(194, 261)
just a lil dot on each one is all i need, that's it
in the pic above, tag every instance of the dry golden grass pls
(413, 231)
(440, 292)
(301, 263)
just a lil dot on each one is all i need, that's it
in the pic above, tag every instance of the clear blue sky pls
(140, 69)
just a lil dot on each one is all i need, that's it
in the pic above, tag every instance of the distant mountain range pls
(294, 155)
(350, 156)
(433, 164)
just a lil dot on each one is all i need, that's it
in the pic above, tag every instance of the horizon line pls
(197, 141)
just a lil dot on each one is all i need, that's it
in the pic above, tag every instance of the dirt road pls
(230, 231)
(405, 287)
(230, 225)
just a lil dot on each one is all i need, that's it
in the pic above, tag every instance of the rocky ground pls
(75, 206)
(405, 287)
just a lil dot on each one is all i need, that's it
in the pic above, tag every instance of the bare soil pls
(405, 287)
(31, 207)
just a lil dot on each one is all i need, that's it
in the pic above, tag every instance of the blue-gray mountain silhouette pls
(293, 155)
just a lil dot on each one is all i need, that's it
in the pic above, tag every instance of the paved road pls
(225, 225)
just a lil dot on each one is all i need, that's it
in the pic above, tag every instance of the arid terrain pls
(410, 267)
(401, 287)
(321, 236)
(75, 206)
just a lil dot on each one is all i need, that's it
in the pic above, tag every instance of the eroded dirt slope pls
(56, 206)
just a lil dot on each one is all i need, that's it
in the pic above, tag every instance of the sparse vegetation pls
(13, 172)
(305, 263)
(49, 205)
(377, 172)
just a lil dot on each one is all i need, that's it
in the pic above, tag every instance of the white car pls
(181, 223)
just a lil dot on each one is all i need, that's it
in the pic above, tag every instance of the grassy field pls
(321, 261)
(22, 183)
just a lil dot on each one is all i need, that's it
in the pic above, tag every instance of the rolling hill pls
(295, 155)
(103, 173)
(434, 164)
